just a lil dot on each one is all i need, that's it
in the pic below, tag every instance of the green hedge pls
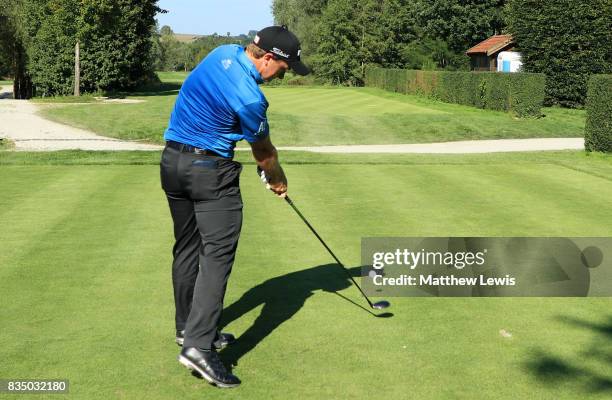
(598, 131)
(521, 93)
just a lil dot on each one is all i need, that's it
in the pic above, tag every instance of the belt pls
(185, 148)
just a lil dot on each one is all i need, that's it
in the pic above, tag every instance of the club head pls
(381, 305)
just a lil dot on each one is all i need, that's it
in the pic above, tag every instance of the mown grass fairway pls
(85, 255)
(303, 116)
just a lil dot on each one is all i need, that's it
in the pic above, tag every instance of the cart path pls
(459, 147)
(20, 123)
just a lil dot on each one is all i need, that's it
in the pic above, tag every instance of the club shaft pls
(288, 200)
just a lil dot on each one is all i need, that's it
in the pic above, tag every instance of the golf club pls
(378, 305)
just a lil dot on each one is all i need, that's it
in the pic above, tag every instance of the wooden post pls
(77, 70)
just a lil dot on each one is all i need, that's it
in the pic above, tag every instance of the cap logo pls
(256, 40)
(279, 52)
(299, 52)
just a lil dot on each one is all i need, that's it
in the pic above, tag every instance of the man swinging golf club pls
(219, 104)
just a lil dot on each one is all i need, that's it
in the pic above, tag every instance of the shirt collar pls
(248, 64)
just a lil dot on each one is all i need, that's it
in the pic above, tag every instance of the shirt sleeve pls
(253, 121)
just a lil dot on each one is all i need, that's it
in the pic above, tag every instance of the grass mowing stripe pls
(65, 211)
(516, 193)
(557, 204)
(480, 208)
(599, 163)
(91, 280)
(335, 105)
(350, 107)
(345, 105)
(314, 95)
(81, 218)
(569, 187)
(296, 104)
(133, 353)
(390, 104)
(18, 179)
(343, 102)
(32, 226)
(603, 172)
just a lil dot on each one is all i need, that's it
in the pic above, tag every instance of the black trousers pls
(204, 197)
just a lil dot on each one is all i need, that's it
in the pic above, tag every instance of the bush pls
(295, 80)
(568, 40)
(598, 131)
(521, 93)
(114, 38)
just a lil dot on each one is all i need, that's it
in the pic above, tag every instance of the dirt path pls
(461, 147)
(30, 132)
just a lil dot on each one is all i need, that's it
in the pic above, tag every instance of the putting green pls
(85, 256)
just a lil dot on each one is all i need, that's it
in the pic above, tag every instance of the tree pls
(352, 36)
(428, 54)
(460, 23)
(116, 45)
(199, 48)
(568, 40)
(303, 18)
(340, 37)
(52, 33)
(7, 35)
(13, 57)
(454, 26)
(173, 54)
(114, 37)
(6, 40)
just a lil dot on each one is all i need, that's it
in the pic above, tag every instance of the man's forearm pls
(266, 157)
(271, 166)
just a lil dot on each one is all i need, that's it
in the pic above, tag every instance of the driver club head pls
(381, 305)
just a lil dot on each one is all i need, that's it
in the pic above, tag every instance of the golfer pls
(219, 104)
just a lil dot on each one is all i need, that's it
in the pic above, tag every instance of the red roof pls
(491, 45)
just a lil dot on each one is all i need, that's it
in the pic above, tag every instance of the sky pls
(204, 17)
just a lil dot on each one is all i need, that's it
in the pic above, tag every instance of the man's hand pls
(279, 189)
(267, 160)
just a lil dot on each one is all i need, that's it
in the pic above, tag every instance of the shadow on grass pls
(553, 370)
(282, 297)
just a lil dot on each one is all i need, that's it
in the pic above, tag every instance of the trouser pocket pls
(211, 178)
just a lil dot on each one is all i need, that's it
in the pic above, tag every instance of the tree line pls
(170, 54)
(568, 40)
(341, 37)
(121, 46)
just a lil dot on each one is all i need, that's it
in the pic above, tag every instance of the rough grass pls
(86, 98)
(6, 144)
(304, 116)
(85, 252)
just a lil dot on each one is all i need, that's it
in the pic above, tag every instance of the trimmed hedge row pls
(598, 130)
(521, 93)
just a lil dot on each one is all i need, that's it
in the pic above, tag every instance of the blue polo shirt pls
(220, 103)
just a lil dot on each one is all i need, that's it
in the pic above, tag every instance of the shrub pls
(598, 130)
(568, 40)
(521, 93)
